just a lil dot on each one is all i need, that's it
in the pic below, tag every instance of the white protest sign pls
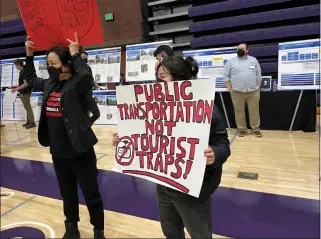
(164, 129)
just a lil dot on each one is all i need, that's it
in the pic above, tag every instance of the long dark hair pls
(181, 69)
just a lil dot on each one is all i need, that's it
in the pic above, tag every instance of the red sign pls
(50, 22)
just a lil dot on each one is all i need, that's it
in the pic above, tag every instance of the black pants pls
(82, 170)
(176, 213)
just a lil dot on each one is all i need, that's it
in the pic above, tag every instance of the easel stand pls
(316, 99)
(225, 113)
(296, 111)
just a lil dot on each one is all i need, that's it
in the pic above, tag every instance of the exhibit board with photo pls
(105, 64)
(107, 104)
(10, 75)
(140, 61)
(16, 111)
(299, 65)
(106, 101)
(212, 62)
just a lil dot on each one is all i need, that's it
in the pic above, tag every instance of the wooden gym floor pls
(282, 202)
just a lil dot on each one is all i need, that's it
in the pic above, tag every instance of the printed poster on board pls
(140, 61)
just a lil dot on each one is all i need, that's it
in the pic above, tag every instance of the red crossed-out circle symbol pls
(124, 153)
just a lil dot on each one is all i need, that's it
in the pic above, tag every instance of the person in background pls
(242, 76)
(176, 209)
(65, 127)
(122, 80)
(84, 55)
(25, 94)
(91, 104)
(161, 53)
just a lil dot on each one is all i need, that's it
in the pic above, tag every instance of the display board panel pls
(140, 61)
(106, 101)
(299, 65)
(105, 64)
(212, 62)
(10, 75)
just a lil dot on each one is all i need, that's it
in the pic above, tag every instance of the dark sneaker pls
(24, 125)
(99, 234)
(2, 125)
(72, 231)
(32, 125)
(257, 134)
(242, 133)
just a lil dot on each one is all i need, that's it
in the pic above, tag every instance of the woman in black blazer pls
(65, 127)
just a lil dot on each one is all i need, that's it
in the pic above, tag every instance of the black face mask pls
(54, 72)
(240, 52)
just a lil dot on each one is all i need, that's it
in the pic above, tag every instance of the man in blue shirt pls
(242, 76)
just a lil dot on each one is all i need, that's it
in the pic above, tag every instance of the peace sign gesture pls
(30, 46)
(74, 45)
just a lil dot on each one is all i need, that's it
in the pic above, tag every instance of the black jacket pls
(73, 104)
(218, 140)
(91, 103)
(93, 108)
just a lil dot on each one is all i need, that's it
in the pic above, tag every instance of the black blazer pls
(93, 108)
(74, 97)
(91, 103)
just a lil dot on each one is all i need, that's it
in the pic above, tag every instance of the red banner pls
(50, 22)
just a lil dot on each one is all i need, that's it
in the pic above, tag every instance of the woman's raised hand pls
(30, 46)
(74, 45)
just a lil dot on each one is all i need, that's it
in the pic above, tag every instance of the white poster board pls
(16, 111)
(140, 61)
(9, 96)
(10, 75)
(107, 104)
(105, 64)
(163, 134)
(299, 65)
(212, 62)
(106, 101)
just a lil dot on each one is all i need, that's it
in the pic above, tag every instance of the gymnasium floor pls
(282, 203)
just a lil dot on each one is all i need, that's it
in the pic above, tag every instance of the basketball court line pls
(50, 230)
(102, 155)
(236, 210)
(20, 139)
(4, 195)
(17, 206)
(43, 209)
(40, 147)
(234, 137)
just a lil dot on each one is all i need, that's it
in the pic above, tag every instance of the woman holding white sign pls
(176, 209)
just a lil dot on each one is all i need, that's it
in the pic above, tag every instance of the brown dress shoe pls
(257, 134)
(242, 133)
